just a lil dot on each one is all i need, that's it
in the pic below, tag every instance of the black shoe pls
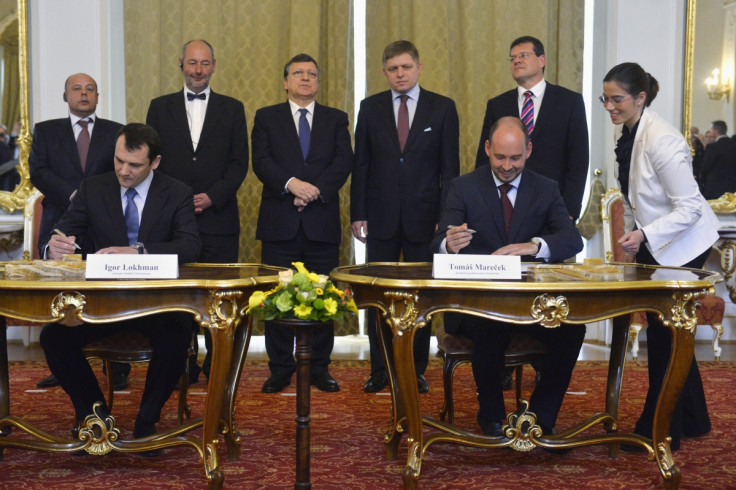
(507, 382)
(422, 385)
(376, 382)
(275, 383)
(325, 382)
(489, 428)
(144, 430)
(119, 381)
(48, 382)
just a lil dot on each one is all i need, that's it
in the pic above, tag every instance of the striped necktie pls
(527, 111)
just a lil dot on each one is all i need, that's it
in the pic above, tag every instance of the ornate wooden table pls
(408, 296)
(217, 296)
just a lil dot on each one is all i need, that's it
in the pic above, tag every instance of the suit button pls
(194, 159)
(401, 160)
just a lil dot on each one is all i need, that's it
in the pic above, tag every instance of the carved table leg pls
(392, 437)
(615, 373)
(682, 324)
(303, 356)
(241, 341)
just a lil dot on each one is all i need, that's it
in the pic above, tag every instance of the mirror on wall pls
(13, 37)
(710, 60)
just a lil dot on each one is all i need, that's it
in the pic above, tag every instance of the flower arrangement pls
(304, 295)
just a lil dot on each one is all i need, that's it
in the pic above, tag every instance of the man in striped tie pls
(555, 119)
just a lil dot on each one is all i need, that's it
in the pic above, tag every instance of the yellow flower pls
(314, 278)
(338, 292)
(319, 291)
(302, 311)
(352, 306)
(255, 300)
(330, 306)
(299, 266)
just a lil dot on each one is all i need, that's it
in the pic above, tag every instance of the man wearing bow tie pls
(204, 143)
(406, 153)
(65, 151)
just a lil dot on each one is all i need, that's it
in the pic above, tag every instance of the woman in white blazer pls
(667, 222)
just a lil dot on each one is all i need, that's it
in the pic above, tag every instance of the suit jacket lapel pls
(154, 201)
(489, 193)
(421, 116)
(386, 113)
(318, 126)
(288, 128)
(524, 195)
(547, 108)
(178, 112)
(214, 109)
(114, 207)
(69, 143)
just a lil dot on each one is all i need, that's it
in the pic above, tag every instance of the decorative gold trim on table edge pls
(67, 308)
(551, 311)
(408, 318)
(222, 310)
(683, 311)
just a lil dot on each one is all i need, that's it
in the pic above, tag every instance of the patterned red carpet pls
(347, 429)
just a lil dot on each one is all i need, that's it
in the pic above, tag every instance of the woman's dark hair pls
(633, 79)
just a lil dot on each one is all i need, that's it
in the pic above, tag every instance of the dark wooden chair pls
(457, 349)
(134, 347)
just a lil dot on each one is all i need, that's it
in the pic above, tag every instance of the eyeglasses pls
(615, 100)
(522, 56)
(311, 74)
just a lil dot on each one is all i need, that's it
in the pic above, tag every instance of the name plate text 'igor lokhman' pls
(133, 266)
(460, 266)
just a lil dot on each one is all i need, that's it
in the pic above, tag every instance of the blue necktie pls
(131, 216)
(200, 96)
(304, 133)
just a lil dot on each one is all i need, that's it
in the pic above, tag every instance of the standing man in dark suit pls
(302, 154)
(130, 211)
(57, 168)
(718, 170)
(406, 153)
(204, 143)
(539, 228)
(558, 126)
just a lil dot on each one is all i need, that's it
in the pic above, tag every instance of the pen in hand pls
(59, 232)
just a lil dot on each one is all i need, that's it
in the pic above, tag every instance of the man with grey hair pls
(303, 156)
(204, 143)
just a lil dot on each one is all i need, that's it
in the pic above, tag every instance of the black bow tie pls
(191, 96)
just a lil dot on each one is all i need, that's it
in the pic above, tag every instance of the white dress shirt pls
(537, 96)
(196, 110)
(411, 103)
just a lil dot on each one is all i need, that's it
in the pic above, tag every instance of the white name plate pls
(461, 266)
(132, 266)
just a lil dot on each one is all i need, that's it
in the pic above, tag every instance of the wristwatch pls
(139, 246)
(536, 241)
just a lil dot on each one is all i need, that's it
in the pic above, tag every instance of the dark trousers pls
(391, 251)
(491, 338)
(319, 257)
(216, 249)
(691, 411)
(169, 334)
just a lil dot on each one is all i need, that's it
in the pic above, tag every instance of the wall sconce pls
(716, 88)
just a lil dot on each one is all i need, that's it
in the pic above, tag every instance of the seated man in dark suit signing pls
(535, 225)
(132, 210)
